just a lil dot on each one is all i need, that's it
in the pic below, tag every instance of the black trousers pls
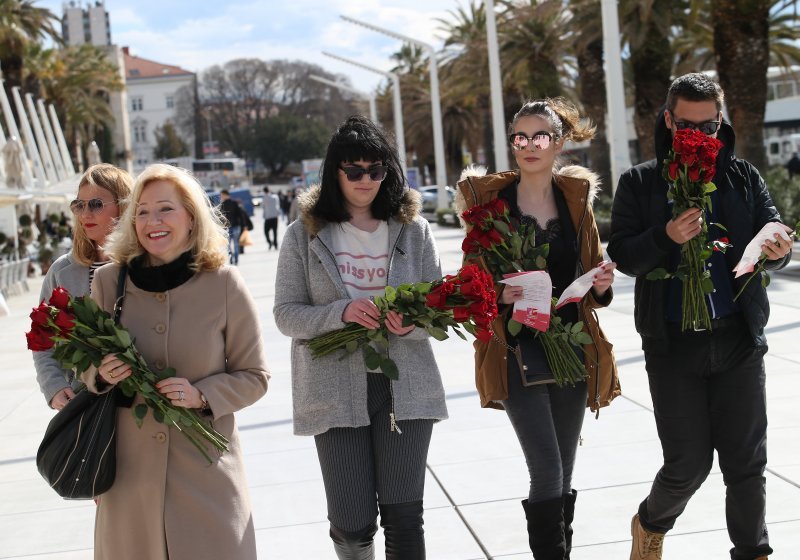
(271, 226)
(708, 394)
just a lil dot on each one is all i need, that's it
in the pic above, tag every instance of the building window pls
(170, 102)
(139, 133)
(136, 104)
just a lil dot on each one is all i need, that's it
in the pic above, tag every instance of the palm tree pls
(22, 24)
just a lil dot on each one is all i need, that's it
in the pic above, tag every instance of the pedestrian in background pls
(547, 418)
(372, 434)
(186, 310)
(103, 192)
(708, 386)
(271, 206)
(235, 219)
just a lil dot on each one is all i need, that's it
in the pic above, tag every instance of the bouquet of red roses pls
(80, 334)
(465, 299)
(689, 169)
(508, 246)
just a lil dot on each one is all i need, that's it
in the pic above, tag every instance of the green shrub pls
(447, 217)
(785, 194)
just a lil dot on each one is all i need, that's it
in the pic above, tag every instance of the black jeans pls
(271, 226)
(708, 394)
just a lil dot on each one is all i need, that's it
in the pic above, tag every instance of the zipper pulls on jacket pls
(393, 427)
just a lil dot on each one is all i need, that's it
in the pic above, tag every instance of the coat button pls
(161, 297)
(160, 364)
(161, 437)
(161, 328)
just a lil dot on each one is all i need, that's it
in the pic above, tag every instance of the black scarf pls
(163, 277)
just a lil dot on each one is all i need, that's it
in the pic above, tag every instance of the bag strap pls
(118, 303)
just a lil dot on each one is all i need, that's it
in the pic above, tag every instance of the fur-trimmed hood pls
(567, 177)
(410, 207)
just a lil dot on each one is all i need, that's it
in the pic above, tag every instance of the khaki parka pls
(579, 186)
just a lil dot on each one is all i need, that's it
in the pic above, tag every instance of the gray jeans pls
(547, 420)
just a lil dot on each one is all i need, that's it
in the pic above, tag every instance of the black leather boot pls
(402, 528)
(354, 545)
(546, 528)
(569, 515)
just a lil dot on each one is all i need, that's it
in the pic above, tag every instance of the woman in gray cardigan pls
(359, 231)
(103, 191)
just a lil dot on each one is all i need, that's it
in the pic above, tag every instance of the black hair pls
(694, 87)
(358, 138)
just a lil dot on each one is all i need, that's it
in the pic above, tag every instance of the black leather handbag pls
(77, 456)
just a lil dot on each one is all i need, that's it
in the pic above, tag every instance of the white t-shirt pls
(362, 258)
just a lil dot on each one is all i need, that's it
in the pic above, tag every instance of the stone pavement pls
(476, 471)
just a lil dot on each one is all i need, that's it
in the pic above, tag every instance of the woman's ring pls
(181, 395)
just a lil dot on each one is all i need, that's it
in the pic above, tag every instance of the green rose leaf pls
(437, 333)
(514, 327)
(765, 280)
(351, 346)
(389, 368)
(658, 274)
(391, 293)
(139, 412)
(582, 338)
(371, 358)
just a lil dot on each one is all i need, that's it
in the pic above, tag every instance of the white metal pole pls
(61, 170)
(397, 105)
(62, 143)
(615, 94)
(29, 143)
(44, 149)
(496, 88)
(436, 107)
(373, 110)
(13, 132)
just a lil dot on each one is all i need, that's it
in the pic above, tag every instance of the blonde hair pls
(208, 238)
(116, 181)
(562, 115)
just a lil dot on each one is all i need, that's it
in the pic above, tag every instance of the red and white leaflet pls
(533, 309)
(575, 291)
(752, 253)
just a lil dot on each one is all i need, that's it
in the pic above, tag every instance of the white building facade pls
(152, 90)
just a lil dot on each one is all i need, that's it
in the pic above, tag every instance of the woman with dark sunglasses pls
(511, 371)
(102, 194)
(359, 231)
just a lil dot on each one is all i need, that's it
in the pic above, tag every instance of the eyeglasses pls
(707, 127)
(541, 140)
(354, 173)
(94, 205)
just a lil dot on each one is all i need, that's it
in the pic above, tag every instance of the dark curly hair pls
(694, 87)
(358, 138)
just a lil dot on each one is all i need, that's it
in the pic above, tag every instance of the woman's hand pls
(180, 392)
(394, 322)
(61, 398)
(362, 311)
(112, 370)
(511, 294)
(604, 278)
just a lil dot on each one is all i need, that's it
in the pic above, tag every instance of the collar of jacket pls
(410, 207)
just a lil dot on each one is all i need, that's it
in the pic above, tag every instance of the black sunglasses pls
(707, 127)
(540, 140)
(375, 172)
(94, 205)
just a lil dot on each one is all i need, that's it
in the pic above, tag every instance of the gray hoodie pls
(310, 298)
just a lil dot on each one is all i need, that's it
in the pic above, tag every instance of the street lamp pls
(496, 88)
(436, 107)
(615, 94)
(373, 112)
(397, 108)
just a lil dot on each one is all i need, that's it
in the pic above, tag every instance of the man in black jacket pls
(234, 216)
(707, 386)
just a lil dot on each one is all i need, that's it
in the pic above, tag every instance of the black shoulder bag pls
(77, 456)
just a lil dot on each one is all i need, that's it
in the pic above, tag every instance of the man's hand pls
(776, 250)
(685, 227)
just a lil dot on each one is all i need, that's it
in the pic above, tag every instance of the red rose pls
(709, 173)
(461, 314)
(65, 321)
(40, 316)
(39, 339)
(478, 307)
(470, 245)
(494, 236)
(467, 273)
(693, 174)
(673, 170)
(60, 298)
(484, 335)
(436, 298)
(498, 207)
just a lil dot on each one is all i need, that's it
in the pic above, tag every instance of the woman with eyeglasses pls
(102, 194)
(188, 311)
(359, 231)
(547, 419)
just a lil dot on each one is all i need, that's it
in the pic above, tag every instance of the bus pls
(215, 173)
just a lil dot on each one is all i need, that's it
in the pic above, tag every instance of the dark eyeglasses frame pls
(355, 173)
(94, 205)
(529, 140)
(704, 127)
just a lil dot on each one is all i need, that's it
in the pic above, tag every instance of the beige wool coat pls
(167, 502)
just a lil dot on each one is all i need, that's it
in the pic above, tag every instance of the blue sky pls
(197, 34)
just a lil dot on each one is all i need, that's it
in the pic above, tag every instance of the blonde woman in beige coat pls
(187, 310)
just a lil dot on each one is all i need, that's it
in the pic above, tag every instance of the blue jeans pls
(234, 232)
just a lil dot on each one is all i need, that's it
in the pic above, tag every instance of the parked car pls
(430, 199)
